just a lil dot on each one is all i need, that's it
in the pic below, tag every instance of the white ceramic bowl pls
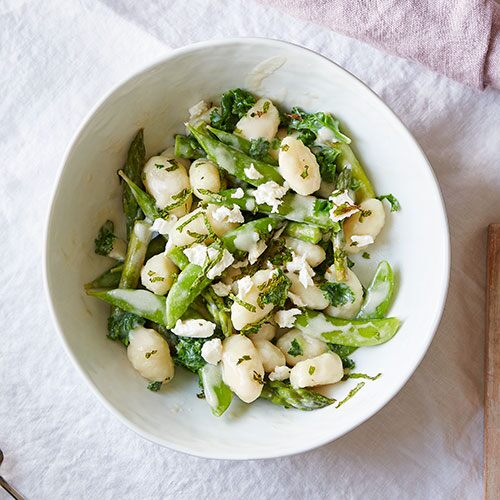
(415, 241)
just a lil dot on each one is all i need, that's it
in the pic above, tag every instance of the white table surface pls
(57, 58)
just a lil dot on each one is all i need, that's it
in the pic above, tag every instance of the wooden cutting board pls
(492, 369)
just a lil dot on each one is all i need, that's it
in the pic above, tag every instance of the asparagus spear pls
(355, 332)
(187, 147)
(136, 158)
(108, 279)
(235, 162)
(218, 311)
(304, 232)
(378, 294)
(144, 200)
(217, 393)
(294, 207)
(283, 394)
(240, 143)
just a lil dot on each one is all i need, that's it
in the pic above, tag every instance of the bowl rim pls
(214, 453)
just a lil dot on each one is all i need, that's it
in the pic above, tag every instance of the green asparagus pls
(304, 232)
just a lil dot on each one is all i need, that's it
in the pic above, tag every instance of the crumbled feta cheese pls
(270, 193)
(221, 289)
(244, 286)
(252, 173)
(256, 251)
(286, 318)
(196, 328)
(343, 206)
(362, 240)
(306, 272)
(269, 227)
(296, 299)
(225, 214)
(224, 262)
(238, 194)
(211, 351)
(198, 109)
(196, 254)
(280, 373)
(324, 136)
(163, 226)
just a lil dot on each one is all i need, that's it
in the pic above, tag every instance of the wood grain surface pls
(492, 369)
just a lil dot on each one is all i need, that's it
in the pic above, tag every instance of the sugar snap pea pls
(378, 295)
(217, 393)
(304, 232)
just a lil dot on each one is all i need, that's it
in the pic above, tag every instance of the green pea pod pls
(235, 162)
(218, 311)
(177, 256)
(139, 302)
(347, 158)
(145, 201)
(186, 147)
(379, 293)
(283, 394)
(304, 232)
(136, 158)
(294, 207)
(240, 143)
(217, 393)
(355, 332)
(108, 279)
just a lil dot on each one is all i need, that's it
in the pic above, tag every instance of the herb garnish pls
(295, 348)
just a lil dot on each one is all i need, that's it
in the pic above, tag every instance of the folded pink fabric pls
(459, 38)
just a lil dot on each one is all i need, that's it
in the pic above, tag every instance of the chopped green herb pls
(242, 303)
(234, 105)
(105, 238)
(395, 205)
(365, 255)
(154, 386)
(338, 294)
(275, 290)
(258, 377)
(311, 370)
(265, 107)
(364, 375)
(326, 158)
(304, 173)
(350, 395)
(295, 348)
(258, 148)
(245, 357)
(150, 353)
(284, 147)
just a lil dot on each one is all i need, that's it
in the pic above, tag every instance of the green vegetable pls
(154, 386)
(379, 293)
(234, 105)
(142, 303)
(283, 394)
(105, 238)
(395, 205)
(136, 158)
(187, 147)
(121, 322)
(308, 125)
(235, 162)
(364, 375)
(274, 291)
(295, 348)
(304, 232)
(188, 353)
(108, 279)
(293, 207)
(355, 332)
(218, 310)
(365, 255)
(342, 350)
(338, 294)
(347, 159)
(177, 256)
(136, 253)
(339, 256)
(257, 148)
(327, 161)
(217, 393)
(144, 200)
(350, 394)
(156, 246)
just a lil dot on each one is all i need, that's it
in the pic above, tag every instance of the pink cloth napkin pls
(459, 38)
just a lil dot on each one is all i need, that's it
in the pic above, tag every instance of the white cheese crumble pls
(252, 173)
(196, 328)
(300, 265)
(225, 214)
(198, 253)
(269, 227)
(238, 194)
(226, 260)
(270, 193)
(244, 285)
(163, 226)
(256, 251)
(221, 289)
(286, 318)
(344, 204)
(198, 109)
(296, 299)
(361, 240)
(280, 373)
(211, 351)
(324, 136)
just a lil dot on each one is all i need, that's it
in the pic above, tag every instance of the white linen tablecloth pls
(57, 58)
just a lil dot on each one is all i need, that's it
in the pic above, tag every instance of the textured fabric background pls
(57, 58)
(460, 39)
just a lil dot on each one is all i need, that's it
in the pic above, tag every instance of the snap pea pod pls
(144, 200)
(283, 394)
(217, 393)
(347, 158)
(178, 257)
(378, 294)
(108, 279)
(235, 162)
(136, 158)
(355, 332)
(304, 232)
(187, 147)
(237, 142)
(139, 302)
(293, 207)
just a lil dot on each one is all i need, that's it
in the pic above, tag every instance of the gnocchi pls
(297, 347)
(158, 274)
(261, 121)
(321, 370)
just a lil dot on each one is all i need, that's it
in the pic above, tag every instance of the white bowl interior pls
(415, 241)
